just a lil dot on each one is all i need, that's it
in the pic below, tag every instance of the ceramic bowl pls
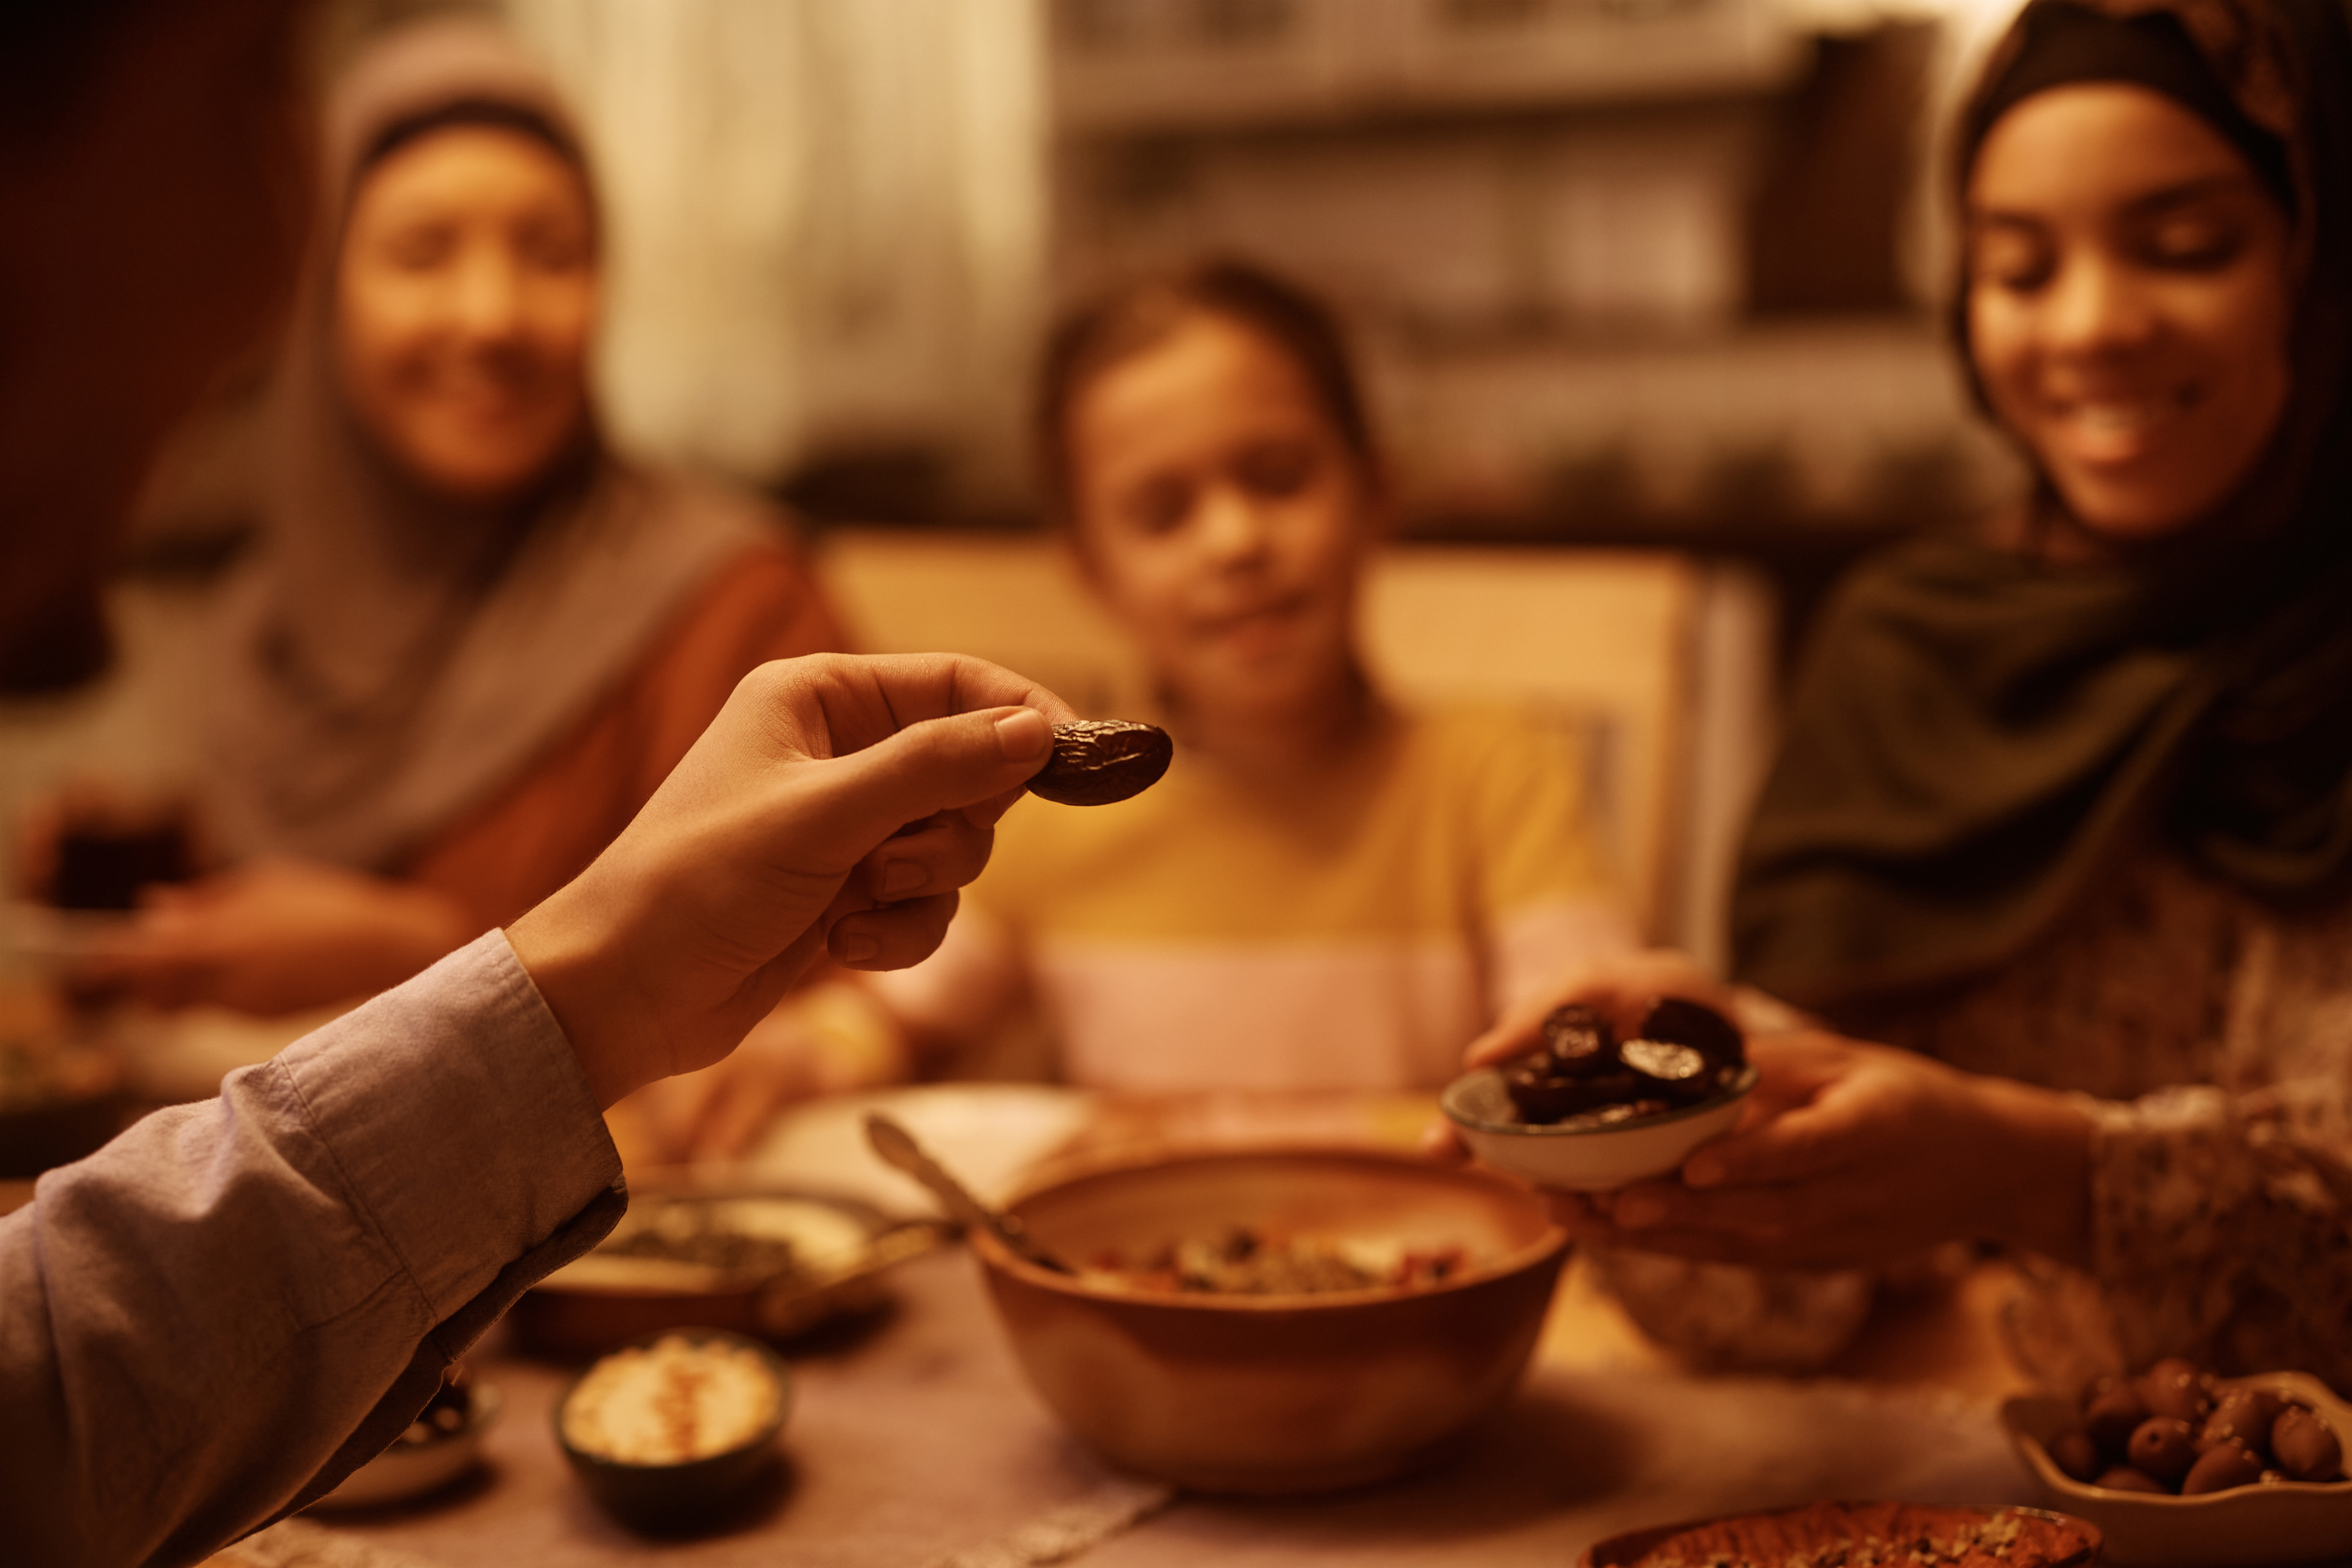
(2080, 1538)
(608, 1299)
(1584, 1159)
(1278, 1394)
(409, 1470)
(667, 1496)
(2290, 1521)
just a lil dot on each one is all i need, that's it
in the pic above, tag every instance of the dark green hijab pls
(1976, 734)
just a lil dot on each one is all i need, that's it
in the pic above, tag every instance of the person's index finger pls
(941, 685)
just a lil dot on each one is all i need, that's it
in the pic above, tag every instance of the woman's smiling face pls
(466, 305)
(2129, 303)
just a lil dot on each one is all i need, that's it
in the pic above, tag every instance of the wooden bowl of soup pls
(1278, 1321)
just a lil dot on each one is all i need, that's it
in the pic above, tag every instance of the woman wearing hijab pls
(2065, 810)
(474, 639)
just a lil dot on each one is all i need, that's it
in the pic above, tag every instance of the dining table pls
(914, 1440)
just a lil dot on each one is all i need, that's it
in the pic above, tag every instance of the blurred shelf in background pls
(1624, 272)
(1130, 65)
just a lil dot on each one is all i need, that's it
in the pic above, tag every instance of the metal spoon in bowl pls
(898, 1147)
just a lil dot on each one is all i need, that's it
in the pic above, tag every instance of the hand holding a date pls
(835, 806)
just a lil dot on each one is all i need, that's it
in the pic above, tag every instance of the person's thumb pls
(938, 764)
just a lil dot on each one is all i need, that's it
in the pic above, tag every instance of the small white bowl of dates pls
(1589, 1112)
(2178, 1467)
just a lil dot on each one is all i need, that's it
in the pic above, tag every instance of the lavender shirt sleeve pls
(227, 1309)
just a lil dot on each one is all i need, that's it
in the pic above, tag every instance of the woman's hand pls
(835, 806)
(1852, 1153)
(276, 936)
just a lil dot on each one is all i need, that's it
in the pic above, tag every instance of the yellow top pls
(1209, 935)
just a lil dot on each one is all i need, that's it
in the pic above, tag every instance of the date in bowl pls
(1578, 1157)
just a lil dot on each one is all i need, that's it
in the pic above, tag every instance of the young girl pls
(1327, 891)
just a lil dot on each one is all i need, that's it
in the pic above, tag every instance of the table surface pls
(914, 1440)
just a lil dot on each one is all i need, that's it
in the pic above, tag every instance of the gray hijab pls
(392, 659)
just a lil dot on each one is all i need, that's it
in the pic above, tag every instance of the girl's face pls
(466, 301)
(1224, 520)
(2128, 303)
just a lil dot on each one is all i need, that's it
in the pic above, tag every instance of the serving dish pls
(420, 1464)
(1842, 1533)
(805, 1258)
(664, 1495)
(1278, 1394)
(2283, 1521)
(1584, 1158)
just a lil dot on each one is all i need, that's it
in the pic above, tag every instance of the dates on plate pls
(1099, 761)
(2171, 1431)
(1584, 1076)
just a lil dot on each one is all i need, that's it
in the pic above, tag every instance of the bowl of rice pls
(669, 1432)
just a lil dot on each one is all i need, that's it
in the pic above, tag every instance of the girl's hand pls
(1852, 1154)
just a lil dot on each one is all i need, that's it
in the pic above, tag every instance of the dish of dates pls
(2176, 1431)
(1684, 1055)
(1587, 1112)
(2180, 1468)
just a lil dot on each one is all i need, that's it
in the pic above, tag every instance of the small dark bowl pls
(663, 1498)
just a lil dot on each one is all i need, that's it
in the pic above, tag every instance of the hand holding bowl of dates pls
(1589, 1112)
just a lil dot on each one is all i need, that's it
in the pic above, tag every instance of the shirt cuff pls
(461, 1120)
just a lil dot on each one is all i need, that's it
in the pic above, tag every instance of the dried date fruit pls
(1584, 1076)
(1099, 761)
(1580, 1041)
(2220, 1469)
(2305, 1447)
(2113, 1415)
(2123, 1479)
(2163, 1446)
(2175, 1388)
(2074, 1452)
(2242, 1415)
(1678, 1072)
(1680, 1021)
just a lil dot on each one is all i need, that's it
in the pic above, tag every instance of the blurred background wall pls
(1632, 270)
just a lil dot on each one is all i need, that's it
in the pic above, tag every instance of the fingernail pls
(1024, 734)
(855, 947)
(900, 878)
(1639, 1213)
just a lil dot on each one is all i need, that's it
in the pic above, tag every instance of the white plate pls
(987, 1133)
(2294, 1521)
